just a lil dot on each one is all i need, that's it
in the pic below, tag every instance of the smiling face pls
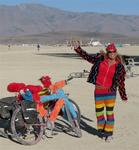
(112, 55)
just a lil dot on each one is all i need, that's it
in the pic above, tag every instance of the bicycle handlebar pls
(82, 74)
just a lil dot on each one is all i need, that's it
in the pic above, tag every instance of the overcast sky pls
(124, 7)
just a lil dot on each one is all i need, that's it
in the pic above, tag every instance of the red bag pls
(15, 87)
(34, 88)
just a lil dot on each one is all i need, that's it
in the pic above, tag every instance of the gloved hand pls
(21, 92)
(125, 99)
(76, 44)
(27, 95)
(69, 78)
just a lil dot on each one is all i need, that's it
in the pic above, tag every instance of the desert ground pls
(26, 64)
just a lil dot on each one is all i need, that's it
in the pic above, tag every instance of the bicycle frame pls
(41, 125)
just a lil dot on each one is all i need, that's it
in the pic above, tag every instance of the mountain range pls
(34, 19)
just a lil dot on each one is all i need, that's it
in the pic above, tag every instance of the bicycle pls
(129, 65)
(28, 127)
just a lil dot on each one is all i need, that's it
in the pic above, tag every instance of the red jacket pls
(105, 74)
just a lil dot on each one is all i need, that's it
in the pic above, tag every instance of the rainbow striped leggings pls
(105, 101)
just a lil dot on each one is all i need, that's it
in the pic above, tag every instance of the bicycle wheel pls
(24, 132)
(77, 109)
(74, 123)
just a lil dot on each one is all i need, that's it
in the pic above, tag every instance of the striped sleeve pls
(86, 56)
(121, 85)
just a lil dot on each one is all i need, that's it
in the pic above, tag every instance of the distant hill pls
(27, 19)
(31, 21)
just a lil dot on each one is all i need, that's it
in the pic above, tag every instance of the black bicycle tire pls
(15, 134)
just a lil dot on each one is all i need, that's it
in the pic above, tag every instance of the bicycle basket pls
(29, 111)
(6, 107)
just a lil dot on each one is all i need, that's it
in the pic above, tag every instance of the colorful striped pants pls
(104, 104)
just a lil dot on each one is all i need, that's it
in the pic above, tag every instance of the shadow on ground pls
(86, 127)
(65, 55)
(62, 126)
(76, 56)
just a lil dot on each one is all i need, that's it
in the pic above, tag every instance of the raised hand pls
(68, 79)
(75, 44)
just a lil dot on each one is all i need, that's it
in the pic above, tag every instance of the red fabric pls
(105, 74)
(34, 88)
(19, 98)
(46, 81)
(15, 87)
(111, 48)
(100, 117)
(36, 98)
(100, 91)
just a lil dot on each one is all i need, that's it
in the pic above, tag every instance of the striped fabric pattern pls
(119, 76)
(45, 91)
(104, 103)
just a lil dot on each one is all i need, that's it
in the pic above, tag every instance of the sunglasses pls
(109, 52)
